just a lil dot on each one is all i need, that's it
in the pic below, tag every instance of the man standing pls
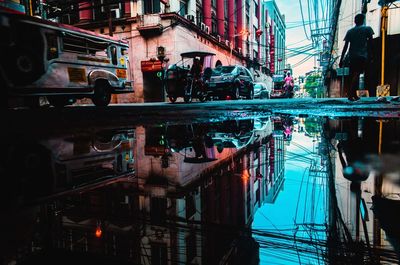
(360, 40)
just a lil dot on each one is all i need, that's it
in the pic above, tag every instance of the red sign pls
(151, 66)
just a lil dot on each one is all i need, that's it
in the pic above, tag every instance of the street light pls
(243, 33)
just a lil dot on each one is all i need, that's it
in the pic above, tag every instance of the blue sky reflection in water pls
(299, 211)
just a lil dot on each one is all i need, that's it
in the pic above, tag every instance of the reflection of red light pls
(245, 174)
(98, 232)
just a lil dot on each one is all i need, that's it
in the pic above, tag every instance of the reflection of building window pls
(159, 254)
(191, 247)
(152, 6)
(158, 211)
(190, 206)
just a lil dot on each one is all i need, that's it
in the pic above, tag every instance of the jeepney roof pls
(59, 26)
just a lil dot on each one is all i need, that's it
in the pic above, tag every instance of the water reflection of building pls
(365, 174)
(185, 210)
(224, 190)
(277, 148)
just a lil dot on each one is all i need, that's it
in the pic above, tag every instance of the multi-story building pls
(230, 29)
(274, 41)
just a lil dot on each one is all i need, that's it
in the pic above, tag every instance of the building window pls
(183, 7)
(199, 17)
(213, 23)
(152, 6)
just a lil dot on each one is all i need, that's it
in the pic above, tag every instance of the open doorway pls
(153, 90)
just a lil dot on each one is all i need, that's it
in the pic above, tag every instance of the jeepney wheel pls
(187, 98)
(172, 99)
(251, 94)
(102, 93)
(202, 96)
(58, 101)
(24, 66)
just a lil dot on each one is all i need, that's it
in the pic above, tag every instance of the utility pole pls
(384, 89)
(384, 22)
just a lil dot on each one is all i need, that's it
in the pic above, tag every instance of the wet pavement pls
(249, 186)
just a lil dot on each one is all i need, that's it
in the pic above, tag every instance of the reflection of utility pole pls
(30, 8)
(378, 190)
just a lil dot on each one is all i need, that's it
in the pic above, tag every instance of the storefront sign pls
(151, 66)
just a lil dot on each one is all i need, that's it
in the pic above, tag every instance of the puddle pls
(246, 189)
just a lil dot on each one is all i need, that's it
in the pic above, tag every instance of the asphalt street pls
(151, 113)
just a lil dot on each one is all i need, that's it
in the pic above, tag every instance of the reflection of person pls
(360, 40)
(287, 128)
(351, 157)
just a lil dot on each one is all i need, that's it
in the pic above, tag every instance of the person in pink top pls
(289, 80)
(289, 84)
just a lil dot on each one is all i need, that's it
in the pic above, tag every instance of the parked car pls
(233, 81)
(261, 90)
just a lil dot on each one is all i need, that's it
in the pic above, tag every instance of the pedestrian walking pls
(360, 53)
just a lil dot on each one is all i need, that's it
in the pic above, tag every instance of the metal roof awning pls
(196, 54)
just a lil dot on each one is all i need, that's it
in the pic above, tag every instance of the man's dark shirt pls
(358, 38)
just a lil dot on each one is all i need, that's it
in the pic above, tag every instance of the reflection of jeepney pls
(47, 166)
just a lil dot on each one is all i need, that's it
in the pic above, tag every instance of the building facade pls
(245, 32)
(274, 42)
(233, 30)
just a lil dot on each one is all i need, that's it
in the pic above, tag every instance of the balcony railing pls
(150, 24)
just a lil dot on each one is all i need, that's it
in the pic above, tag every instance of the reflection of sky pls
(280, 217)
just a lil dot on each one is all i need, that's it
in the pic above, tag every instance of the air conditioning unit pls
(219, 38)
(115, 13)
(207, 30)
(102, 9)
(227, 43)
(203, 26)
(189, 17)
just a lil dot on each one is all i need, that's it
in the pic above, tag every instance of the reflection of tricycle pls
(189, 82)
